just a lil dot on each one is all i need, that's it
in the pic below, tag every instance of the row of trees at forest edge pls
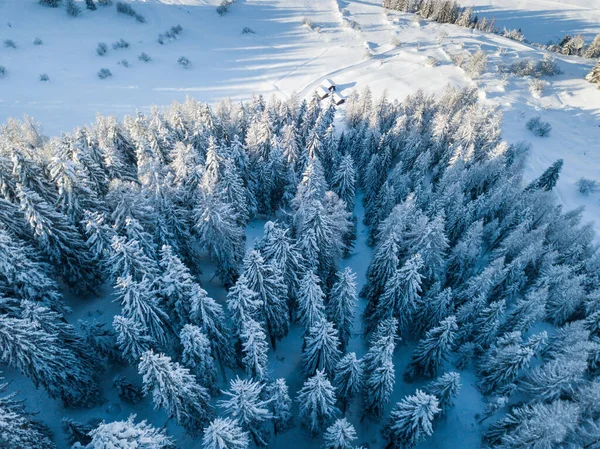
(470, 263)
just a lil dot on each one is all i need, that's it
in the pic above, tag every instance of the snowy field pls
(386, 51)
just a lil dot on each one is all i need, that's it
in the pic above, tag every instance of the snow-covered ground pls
(281, 57)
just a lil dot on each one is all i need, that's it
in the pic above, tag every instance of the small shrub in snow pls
(308, 23)
(37, 41)
(477, 64)
(144, 57)
(587, 186)
(594, 75)
(432, 62)
(184, 62)
(170, 35)
(547, 67)
(514, 34)
(101, 49)
(9, 43)
(538, 128)
(223, 8)
(536, 87)
(50, 3)
(2, 71)
(104, 73)
(124, 63)
(247, 30)
(126, 9)
(44, 77)
(527, 67)
(105, 2)
(396, 42)
(72, 9)
(121, 43)
(440, 39)
(349, 23)
(89, 4)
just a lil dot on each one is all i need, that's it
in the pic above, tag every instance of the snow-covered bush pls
(44, 77)
(37, 41)
(89, 4)
(50, 3)
(308, 23)
(223, 7)
(432, 62)
(184, 62)
(121, 43)
(2, 71)
(169, 35)
(105, 2)
(587, 186)
(124, 63)
(9, 43)
(144, 57)
(73, 9)
(127, 9)
(594, 75)
(104, 73)
(101, 49)
(538, 127)
(528, 67)
(477, 64)
(536, 87)
(514, 34)
(248, 30)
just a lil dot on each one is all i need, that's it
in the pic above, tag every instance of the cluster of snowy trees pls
(476, 267)
(449, 11)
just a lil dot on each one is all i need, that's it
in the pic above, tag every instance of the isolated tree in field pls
(311, 298)
(132, 338)
(343, 301)
(224, 433)
(433, 349)
(321, 349)
(280, 405)
(176, 390)
(317, 403)
(445, 388)
(244, 403)
(198, 357)
(129, 435)
(340, 435)
(411, 421)
(548, 179)
(348, 379)
(254, 349)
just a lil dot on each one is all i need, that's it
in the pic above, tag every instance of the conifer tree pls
(77, 432)
(433, 308)
(527, 311)
(411, 421)
(99, 236)
(557, 378)
(340, 435)
(245, 405)
(348, 379)
(342, 304)
(254, 349)
(280, 405)
(266, 281)
(175, 285)
(311, 308)
(197, 356)
(433, 350)
(129, 435)
(317, 402)
(128, 259)
(243, 304)
(344, 181)
(127, 391)
(320, 350)
(548, 179)
(176, 390)
(132, 338)
(445, 388)
(224, 433)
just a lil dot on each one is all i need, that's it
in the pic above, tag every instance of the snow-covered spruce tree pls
(532, 426)
(209, 316)
(340, 435)
(139, 302)
(176, 390)
(242, 304)
(224, 433)
(445, 388)
(411, 421)
(245, 405)
(197, 356)
(487, 323)
(344, 181)
(548, 179)
(320, 350)
(433, 349)
(266, 280)
(342, 304)
(280, 405)
(432, 308)
(129, 435)
(132, 338)
(128, 259)
(594, 75)
(317, 403)
(78, 432)
(254, 349)
(99, 236)
(51, 3)
(59, 240)
(220, 234)
(348, 379)
(18, 428)
(128, 392)
(557, 378)
(43, 358)
(402, 292)
(378, 368)
(526, 312)
(311, 308)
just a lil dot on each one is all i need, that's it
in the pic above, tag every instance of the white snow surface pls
(283, 57)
